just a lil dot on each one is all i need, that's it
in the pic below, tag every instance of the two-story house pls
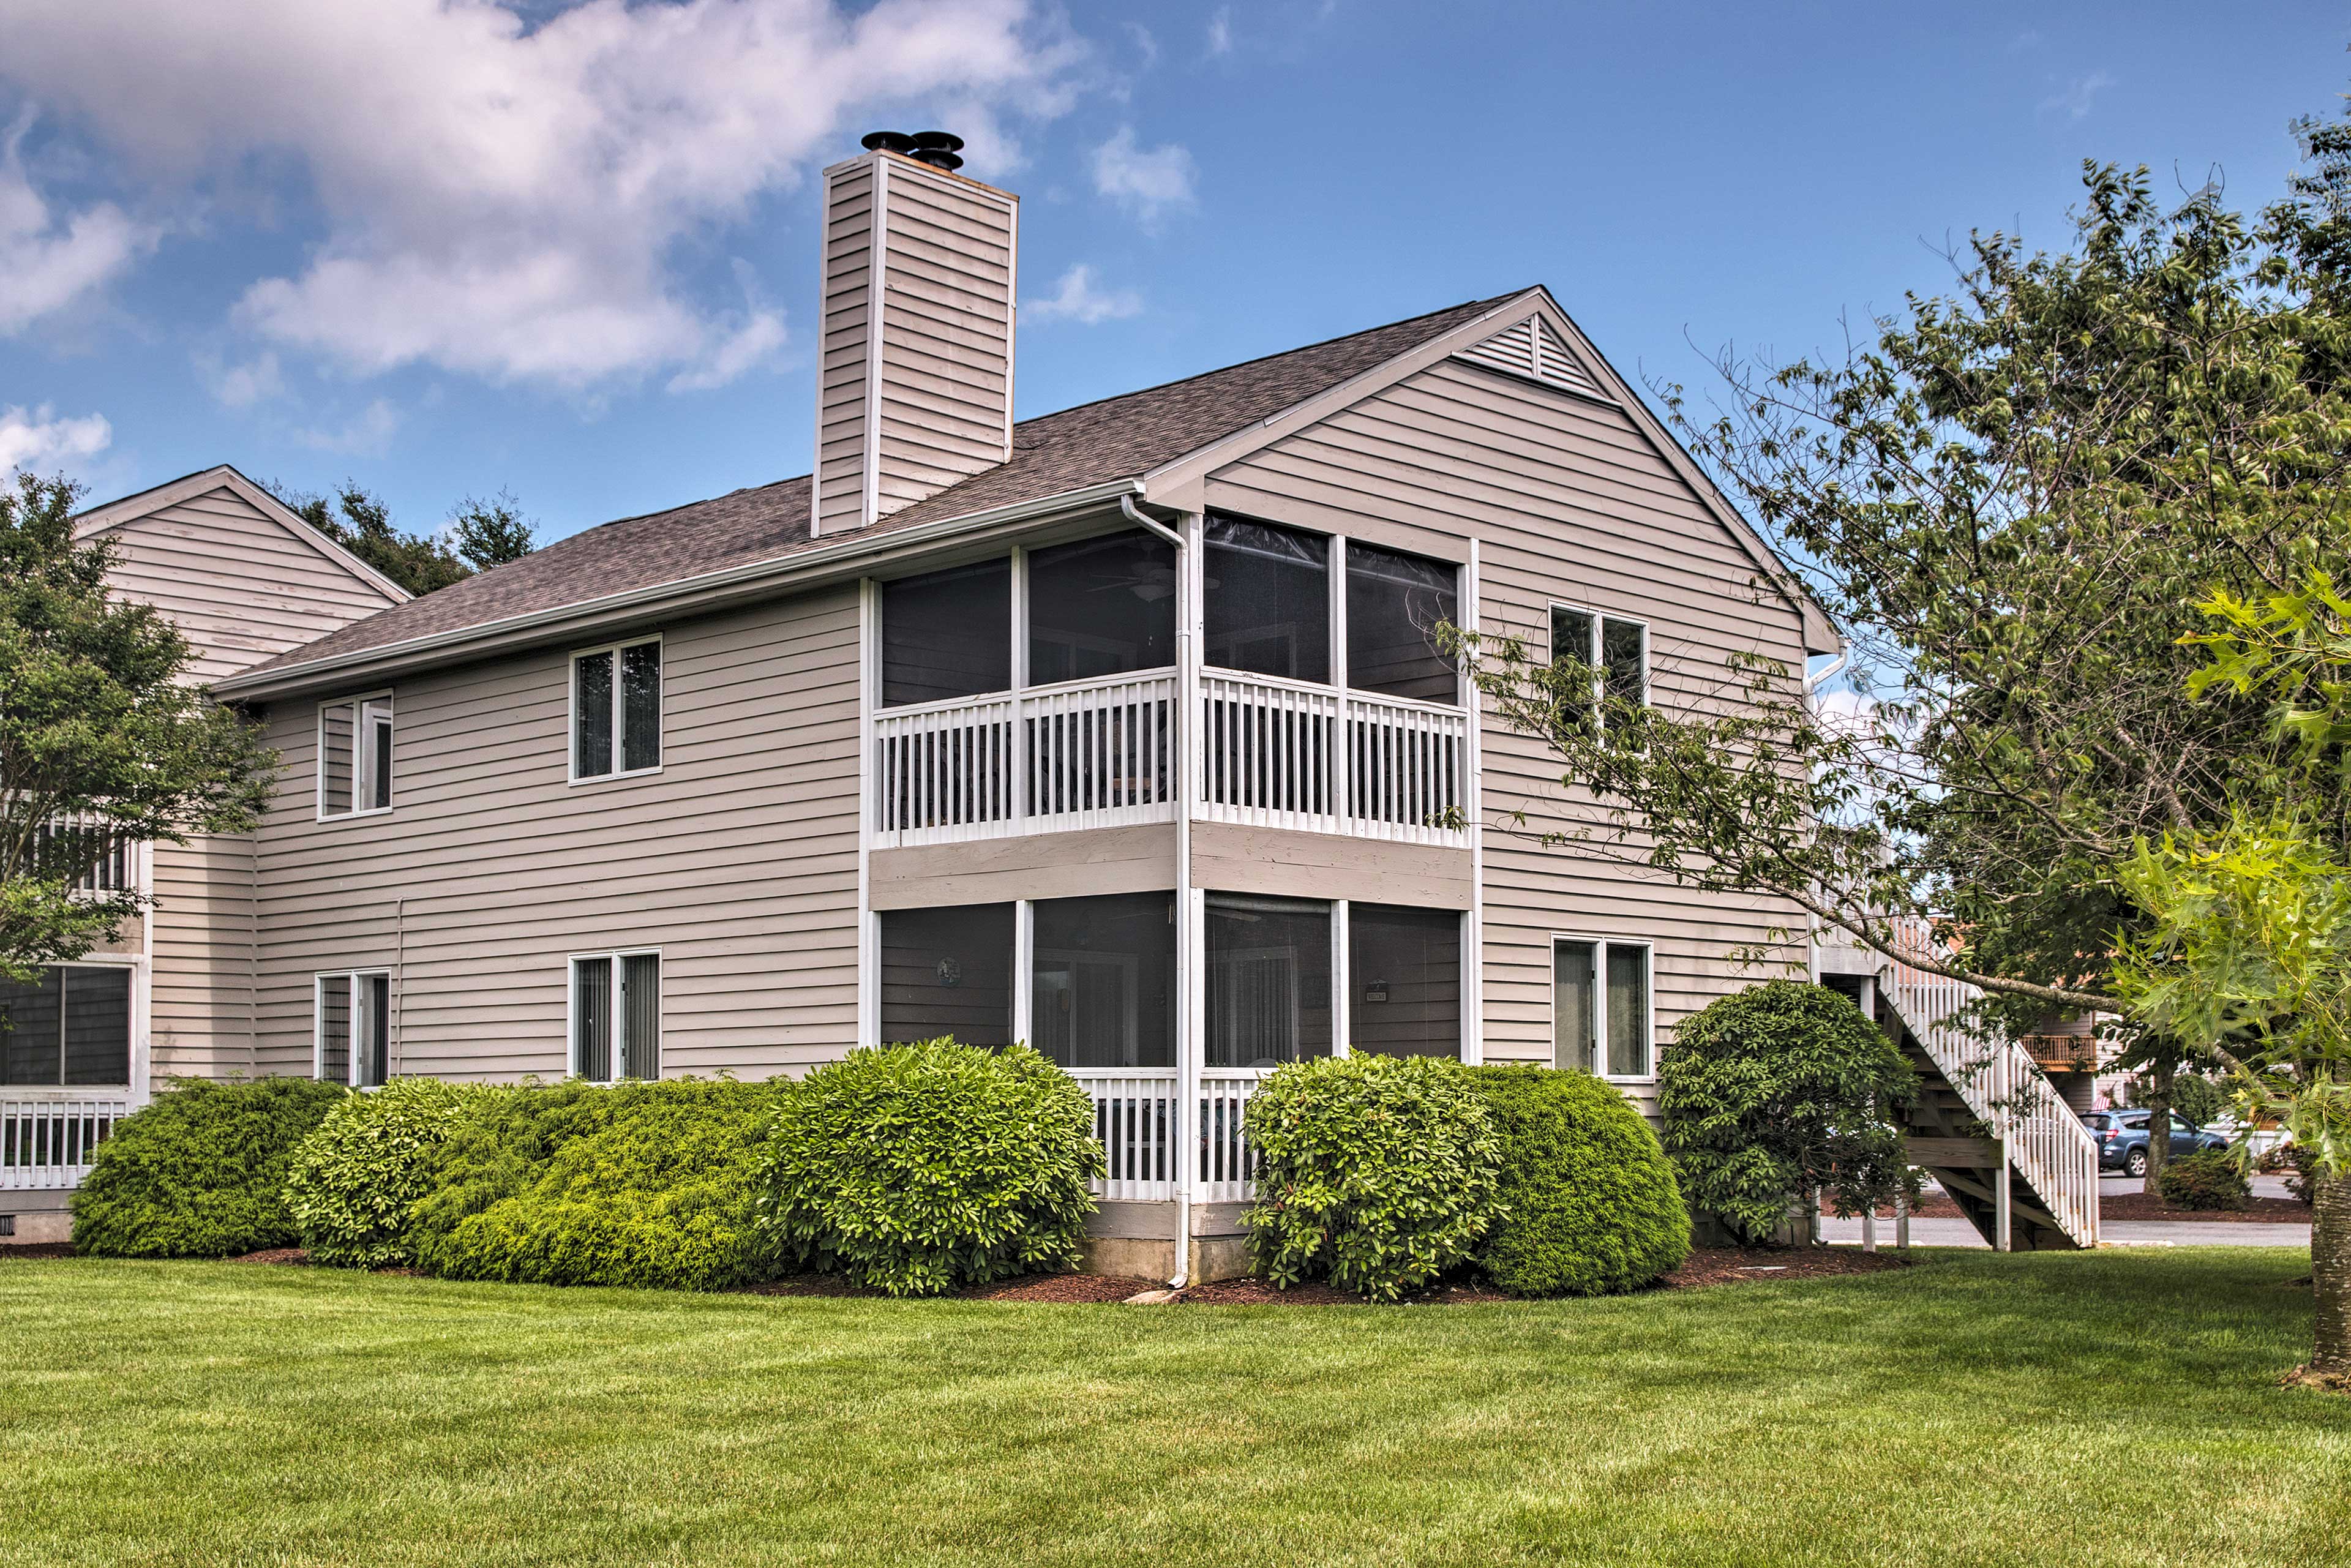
(1123, 731)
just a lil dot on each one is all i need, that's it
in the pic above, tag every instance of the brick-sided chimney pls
(914, 375)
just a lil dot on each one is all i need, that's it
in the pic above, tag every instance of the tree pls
(1777, 1092)
(484, 534)
(2008, 500)
(103, 742)
(490, 533)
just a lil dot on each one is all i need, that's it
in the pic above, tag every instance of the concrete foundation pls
(35, 1217)
(1154, 1257)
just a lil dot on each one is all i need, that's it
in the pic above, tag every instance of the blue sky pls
(443, 248)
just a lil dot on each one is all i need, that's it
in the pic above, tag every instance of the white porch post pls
(1191, 909)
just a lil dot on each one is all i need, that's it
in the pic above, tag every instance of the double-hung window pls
(616, 710)
(355, 755)
(616, 1016)
(1600, 1007)
(1615, 648)
(352, 1038)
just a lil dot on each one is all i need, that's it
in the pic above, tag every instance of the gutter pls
(747, 580)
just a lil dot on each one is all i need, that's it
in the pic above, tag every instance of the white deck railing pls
(114, 862)
(1284, 754)
(47, 1144)
(1101, 754)
(1135, 1116)
(2046, 1143)
(1092, 754)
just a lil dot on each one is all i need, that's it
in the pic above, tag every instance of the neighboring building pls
(1123, 731)
(245, 580)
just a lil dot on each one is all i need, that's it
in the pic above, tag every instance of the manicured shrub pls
(645, 1185)
(2209, 1178)
(914, 1168)
(354, 1179)
(1376, 1173)
(1777, 1090)
(1589, 1205)
(200, 1173)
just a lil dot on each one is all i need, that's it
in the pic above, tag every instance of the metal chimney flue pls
(939, 149)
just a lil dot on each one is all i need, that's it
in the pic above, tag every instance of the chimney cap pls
(939, 149)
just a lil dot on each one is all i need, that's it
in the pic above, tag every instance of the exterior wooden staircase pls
(1987, 1125)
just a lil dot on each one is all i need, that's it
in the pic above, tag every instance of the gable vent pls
(1532, 350)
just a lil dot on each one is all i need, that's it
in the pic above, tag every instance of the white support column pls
(1473, 927)
(1342, 982)
(1024, 967)
(2004, 1238)
(1191, 912)
(1340, 802)
(1016, 743)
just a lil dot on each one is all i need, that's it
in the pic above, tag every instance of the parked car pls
(2122, 1139)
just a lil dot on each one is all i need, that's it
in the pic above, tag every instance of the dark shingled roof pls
(1094, 444)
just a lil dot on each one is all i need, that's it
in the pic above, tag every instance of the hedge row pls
(912, 1169)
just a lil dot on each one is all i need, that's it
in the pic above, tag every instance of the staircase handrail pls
(2002, 1086)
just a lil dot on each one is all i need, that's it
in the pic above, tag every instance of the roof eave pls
(705, 591)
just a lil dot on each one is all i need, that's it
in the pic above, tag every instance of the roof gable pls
(115, 515)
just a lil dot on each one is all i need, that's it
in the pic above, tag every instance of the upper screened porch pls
(1073, 686)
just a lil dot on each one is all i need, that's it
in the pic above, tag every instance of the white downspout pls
(1187, 612)
(1812, 684)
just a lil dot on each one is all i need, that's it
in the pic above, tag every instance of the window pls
(616, 724)
(1103, 986)
(1394, 604)
(1618, 649)
(354, 1028)
(1267, 599)
(948, 972)
(1100, 607)
(616, 1016)
(1269, 980)
(947, 635)
(1600, 1007)
(1403, 981)
(355, 755)
(70, 1027)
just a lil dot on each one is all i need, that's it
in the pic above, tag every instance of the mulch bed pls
(1750, 1265)
(297, 1256)
(2139, 1205)
(31, 1249)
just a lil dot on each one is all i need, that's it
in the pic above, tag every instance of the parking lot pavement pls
(2113, 1233)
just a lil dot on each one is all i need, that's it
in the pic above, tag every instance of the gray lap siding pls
(738, 859)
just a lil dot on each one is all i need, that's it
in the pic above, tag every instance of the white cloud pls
(367, 436)
(1220, 31)
(510, 198)
(38, 441)
(241, 386)
(1147, 181)
(49, 262)
(1078, 300)
(1144, 44)
(2075, 98)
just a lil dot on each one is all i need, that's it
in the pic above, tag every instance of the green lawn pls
(2115, 1407)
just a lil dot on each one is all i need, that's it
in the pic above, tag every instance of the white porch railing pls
(2046, 1143)
(1285, 754)
(1135, 1116)
(114, 858)
(46, 1145)
(1092, 754)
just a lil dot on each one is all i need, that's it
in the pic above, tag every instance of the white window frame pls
(350, 1079)
(1600, 946)
(620, 699)
(1599, 618)
(571, 1008)
(362, 753)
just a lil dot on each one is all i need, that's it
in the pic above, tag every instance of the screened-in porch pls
(1044, 690)
(1099, 984)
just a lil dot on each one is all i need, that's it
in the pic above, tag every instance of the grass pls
(2080, 1409)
